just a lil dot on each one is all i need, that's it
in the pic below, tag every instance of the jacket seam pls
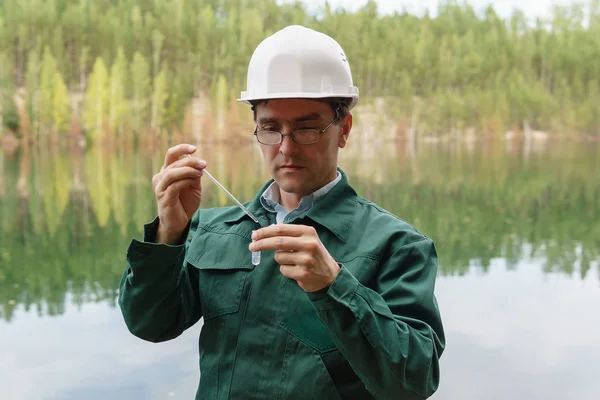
(213, 229)
(373, 257)
(423, 238)
(369, 204)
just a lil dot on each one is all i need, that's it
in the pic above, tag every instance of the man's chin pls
(290, 186)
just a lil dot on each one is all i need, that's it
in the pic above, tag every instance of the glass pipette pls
(255, 254)
(230, 196)
(204, 171)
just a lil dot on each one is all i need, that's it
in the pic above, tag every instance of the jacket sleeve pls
(158, 294)
(392, 337)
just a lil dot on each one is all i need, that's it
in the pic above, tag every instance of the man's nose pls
(288, 146)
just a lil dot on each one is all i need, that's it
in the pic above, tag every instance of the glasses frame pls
(291, 134)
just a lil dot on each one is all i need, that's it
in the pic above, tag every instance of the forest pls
(122, 69)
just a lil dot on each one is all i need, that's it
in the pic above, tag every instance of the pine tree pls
(46, 99)
(117, 94)
(157, 44)
(32, 80)
(96, 99)
(140, 91)
(159, 98)
(61, 104)
(179, 97)
(221, 101)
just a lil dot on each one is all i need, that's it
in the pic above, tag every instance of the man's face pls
(300, 169)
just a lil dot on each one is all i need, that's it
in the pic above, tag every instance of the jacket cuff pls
(339, 293)
(148, 255)
(151, 228)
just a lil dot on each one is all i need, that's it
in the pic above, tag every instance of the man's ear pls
(346, 128)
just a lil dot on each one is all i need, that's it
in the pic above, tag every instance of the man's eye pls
(268, 128)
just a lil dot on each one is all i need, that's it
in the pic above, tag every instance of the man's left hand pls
(300, 254)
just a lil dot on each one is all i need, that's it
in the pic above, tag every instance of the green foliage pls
(7, 92)
(32, 80)
(61, 111)
(96, 99)
(68, 235)
(140, 90)
(119, 74)
(476, 68)
(46, 93)
(159, 98)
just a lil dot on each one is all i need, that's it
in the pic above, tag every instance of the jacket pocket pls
(224, 264)
(307, 327)
(221, 289)
(304, 375)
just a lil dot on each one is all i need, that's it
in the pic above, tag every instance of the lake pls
(516, 226)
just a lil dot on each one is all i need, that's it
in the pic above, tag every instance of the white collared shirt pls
(270, 199)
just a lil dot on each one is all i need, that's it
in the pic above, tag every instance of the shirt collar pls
(335, 211)
(271, 198)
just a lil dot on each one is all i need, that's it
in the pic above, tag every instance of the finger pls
(176, 187)
(172, 175)
(175, 152)
(190, 161)
(293, 272)
(284, 243)
(287, 257)
(282, 230)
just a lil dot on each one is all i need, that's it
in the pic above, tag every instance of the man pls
(342, 304)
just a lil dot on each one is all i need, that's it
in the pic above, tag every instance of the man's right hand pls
(178, 192)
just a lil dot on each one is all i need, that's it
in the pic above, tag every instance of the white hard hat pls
(298, 62)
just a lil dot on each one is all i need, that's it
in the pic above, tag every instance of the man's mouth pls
(290, 167)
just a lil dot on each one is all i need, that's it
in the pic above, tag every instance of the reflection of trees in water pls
(66, 220)
(488, 204)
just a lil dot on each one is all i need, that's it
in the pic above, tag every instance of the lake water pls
(517, 229)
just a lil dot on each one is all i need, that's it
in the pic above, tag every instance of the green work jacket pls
(375, 333)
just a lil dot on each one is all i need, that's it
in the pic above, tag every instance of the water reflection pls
(520, 333)
(67, 217)
(515, 226)
(88, 354)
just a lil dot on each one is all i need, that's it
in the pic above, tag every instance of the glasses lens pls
(306, 136)
(268, 137)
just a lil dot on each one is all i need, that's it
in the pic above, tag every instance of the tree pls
(159, 98)
(8, 114)
(458, 54)
(46, 94)
(140, 90)
(117, 94)
(96, 99)
(157, 43)
(32, 80)
(61, 105)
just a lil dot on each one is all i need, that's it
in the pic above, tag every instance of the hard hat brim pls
(244, 98)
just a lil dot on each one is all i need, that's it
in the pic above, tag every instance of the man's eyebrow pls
(263, 121)
(308, 117)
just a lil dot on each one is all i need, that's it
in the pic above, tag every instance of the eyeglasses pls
(300, 136)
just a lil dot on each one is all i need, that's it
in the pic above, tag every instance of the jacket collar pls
(335, 211)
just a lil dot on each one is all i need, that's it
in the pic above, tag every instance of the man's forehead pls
(299, 118)
(292, 110)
